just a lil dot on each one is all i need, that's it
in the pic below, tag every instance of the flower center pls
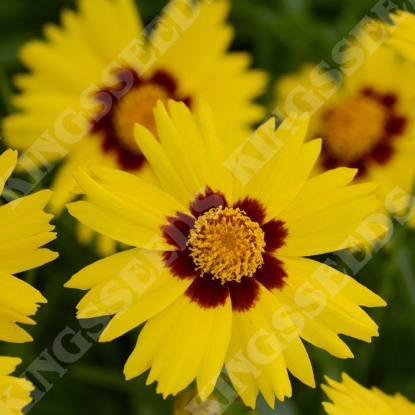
(134, 105)
(137, 107)
(353, 128)
(226, 244)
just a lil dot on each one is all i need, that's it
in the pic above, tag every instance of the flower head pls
(93, 78)
(25, 229)
(363, 112)
(14, 392)
(353, 399)
(217, 265)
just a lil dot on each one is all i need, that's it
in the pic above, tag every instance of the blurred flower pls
(102, 72)
(218, 268)
(212, 406)
(364, 113)
(24, 229)
(402, 33)
(14, 392)
(350, 398)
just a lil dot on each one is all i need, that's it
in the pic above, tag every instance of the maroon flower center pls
(360, 131)
(225, 250)
(226, 244)
(134, 106)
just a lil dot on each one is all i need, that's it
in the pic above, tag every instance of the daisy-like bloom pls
(217, 263)
(364, 114)
(351, 398)
(402, 34)
(93, 78)
(25, 229)
(14, 392)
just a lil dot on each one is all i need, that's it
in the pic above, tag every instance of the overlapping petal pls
(191, 345)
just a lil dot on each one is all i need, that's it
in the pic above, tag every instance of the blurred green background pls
(281, 35)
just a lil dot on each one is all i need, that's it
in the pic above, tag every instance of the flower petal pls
(7, 164)
(262, 345)
(261, 165)
(177, 356)
(122, 217)
(20, 244)
(138, 290)
(326, 303)
(325, 218)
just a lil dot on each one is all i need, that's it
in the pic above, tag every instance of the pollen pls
(351, 129)
(137, 107)
(226, 244)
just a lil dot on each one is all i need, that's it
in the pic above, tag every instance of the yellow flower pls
(350, 398)
(14, 392)
(217, 263)
(402, 35)
(364, 114)
(24, 229)
(100, 73)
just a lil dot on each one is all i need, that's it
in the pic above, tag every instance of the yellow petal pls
(174, 359)
(216, 348)
(325, 306)
(262, 345)
(325, 221)
(204, 22)
(10, 283)
(136, 285)
(122, 216)
(349, 397)
(240, 370)
(182, 144)
(18, 263)
(25, 228)
(261, 165)
(7, 164)
(10, 332)
(166, 174)
(14, 392)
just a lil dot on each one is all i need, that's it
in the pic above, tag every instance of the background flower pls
(364, 113)
(93, 78)
(351, 398)
(401, 33)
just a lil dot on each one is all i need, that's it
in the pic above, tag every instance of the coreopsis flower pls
(364, 113)
(94, 77)
(401, 32)
(217, 266)
(14, 392)
(351, 398)
(25, 228)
